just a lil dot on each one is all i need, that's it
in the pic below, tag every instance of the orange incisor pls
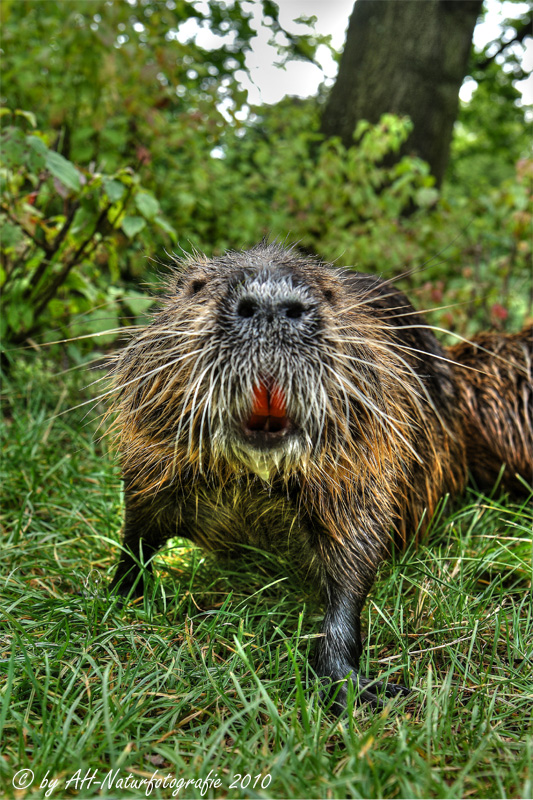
(268, 403)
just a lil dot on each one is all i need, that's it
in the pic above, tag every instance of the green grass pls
(210, 672)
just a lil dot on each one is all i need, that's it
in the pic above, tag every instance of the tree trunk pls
(406, 57)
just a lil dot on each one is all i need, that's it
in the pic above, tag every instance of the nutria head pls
(259, 361)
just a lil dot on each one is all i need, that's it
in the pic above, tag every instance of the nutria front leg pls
(141, 539)
(338, 650)
(133, 567)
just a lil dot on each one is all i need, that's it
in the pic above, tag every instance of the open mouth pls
(268, 421)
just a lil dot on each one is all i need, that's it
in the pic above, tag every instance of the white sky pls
(268, 83)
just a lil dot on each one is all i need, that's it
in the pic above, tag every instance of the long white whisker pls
(122, 386)
(382, 417)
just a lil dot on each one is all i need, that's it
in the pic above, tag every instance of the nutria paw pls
(335, 698)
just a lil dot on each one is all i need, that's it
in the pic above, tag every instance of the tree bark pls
(406, 57)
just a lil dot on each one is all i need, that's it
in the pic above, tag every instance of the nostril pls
(294, 309)
(246, 307)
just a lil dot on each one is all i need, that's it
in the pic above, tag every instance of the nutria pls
(278, 402)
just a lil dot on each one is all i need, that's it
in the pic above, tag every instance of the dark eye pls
(198, 285)
(328, 294)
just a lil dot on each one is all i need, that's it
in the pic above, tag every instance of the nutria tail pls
(497, 407)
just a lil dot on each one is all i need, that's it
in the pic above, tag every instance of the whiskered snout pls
(268, 325)
(271, 304)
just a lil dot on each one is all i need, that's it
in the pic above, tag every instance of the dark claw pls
(395, 689)
(335, 698)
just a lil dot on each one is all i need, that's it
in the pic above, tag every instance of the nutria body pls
(277, 402)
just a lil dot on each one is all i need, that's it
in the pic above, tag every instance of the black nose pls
(250, 307)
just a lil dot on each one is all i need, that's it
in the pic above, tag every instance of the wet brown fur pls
(496, 407)
(401, 423)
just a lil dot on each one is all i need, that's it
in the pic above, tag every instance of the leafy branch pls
(44, 252)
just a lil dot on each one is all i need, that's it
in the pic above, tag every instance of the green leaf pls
(29, 115)
(63, 170)
(57, 308)
(132, 226)
(77, 281)
(38, 153)
(83, 217)
(11, 235)
(162, 223)
(147, 204)
(138, 303)
(37, 144)
(19, 316)
(13, 144)
(426, 197)
(114, 190)
(99, 322)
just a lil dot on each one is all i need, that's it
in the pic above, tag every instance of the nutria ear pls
(197, 285)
